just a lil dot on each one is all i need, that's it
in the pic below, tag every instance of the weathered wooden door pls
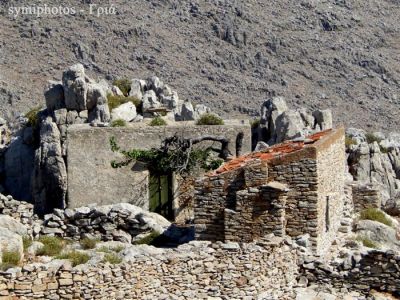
(160, 188)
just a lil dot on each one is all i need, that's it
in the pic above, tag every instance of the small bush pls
(371, 138)
(52, 245)
(349, 141)
(88, 243)
(112, 258)
(255, 123)
(209, 119)
(10, 259)
(76, 257)
(118, 123)
(124, 85)
(118, 249)
(27, 242)
(148, 239)
(104, 249)
(115, 101)
(33, 117)
(383, 149)
(158, 121)
(368, 242)
(375, 214)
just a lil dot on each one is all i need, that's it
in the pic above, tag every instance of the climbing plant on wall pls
(175, 155)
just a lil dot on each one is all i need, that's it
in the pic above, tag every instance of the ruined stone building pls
(92, 179)
(293, 188)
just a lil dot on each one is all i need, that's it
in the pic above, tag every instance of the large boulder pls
(10, 241)
(18, 168)
(270, 111)
(150, 101)
(380, 233)
(126, 112)
(12, 225)
(137, 88)
(54, 95)
(200, 110)
(323, 119)
(289, 125)
(392, 206)
(96, 95)
(187, 112)
(75, 87)
(155, 84)
(50, 174)
(99, 114)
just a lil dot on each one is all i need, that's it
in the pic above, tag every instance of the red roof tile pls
(269, 153)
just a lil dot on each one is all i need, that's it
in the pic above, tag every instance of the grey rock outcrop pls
(187, 112)
(379, 233)
(75, 87)
(392, 206)
(371, 163)
(12, 225)
(137, 88)
(54, 95)
(50, 175)
(150, 101)
(10, 241)
(18, 168)
(96, 95)
(279, 123)
(100, 114)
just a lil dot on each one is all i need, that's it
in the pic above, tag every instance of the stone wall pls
(331, 167)
(91, 179)
(311, 174)
(193, 271)
(359, 270)
(21, 211)
(366, 196)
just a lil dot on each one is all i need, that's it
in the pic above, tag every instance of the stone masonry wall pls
(366, 196)
(258, 212)
(301, 204)
(91, 179)
(192, 271)
(360, 271)
(331, 164)
(214, 194)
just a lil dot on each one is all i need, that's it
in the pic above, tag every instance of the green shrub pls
(148, 239)
(368, 242)
(52, 246)
(349, 141)
(9, 259)
(371, 138)
(124, 85)
(118, 249)
(27, 241)
(209, 119)
(375, 214)
(255, 123)
(104, 249)
(76, 257)
(115, 101)
(118, 123)
(33, 117)
(88, 243)
(158, 121)
(112, 258)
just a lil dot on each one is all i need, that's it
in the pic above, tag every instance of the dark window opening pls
(327, 219)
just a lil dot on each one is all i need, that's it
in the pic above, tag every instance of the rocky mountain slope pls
(230, 55)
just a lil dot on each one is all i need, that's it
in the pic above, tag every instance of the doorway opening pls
(161, 195)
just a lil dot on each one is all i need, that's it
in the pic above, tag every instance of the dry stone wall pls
(359, 270)
(366, 196)
(193, 271)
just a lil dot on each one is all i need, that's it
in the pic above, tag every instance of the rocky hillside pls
(230, 55)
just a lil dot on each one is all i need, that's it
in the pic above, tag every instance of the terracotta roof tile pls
(269, 153)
